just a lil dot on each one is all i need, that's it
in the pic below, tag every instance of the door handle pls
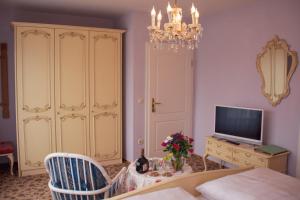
(154, 103)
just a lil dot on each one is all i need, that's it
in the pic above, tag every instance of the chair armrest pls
(121, 172)
(76, 192)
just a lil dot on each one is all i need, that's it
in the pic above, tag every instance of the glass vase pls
(178, 163)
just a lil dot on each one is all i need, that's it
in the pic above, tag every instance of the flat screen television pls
(239, 124)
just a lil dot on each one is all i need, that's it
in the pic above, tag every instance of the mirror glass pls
(276, 65)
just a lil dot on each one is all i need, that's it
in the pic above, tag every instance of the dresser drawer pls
(227, 156)
(219, 149)
(245, 158)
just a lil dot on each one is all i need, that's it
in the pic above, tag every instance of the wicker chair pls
(74, 176)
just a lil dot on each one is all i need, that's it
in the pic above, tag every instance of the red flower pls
(163, 144)
(176, 146)
(191, 140)
(191, 151)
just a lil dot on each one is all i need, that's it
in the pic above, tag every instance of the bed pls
(226, 184)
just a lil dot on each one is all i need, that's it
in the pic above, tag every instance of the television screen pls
(241, 123)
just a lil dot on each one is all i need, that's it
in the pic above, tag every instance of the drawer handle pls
(248, 154)
(247, 163)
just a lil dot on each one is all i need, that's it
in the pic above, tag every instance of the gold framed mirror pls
(276, 65)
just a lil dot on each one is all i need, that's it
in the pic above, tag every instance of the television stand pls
(243, 155)
(232, 142)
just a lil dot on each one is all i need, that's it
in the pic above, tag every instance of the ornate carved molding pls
(37, 109)
(35, 164)
(106, 114)
(26, 139)
(48, 38)
(36, 32)
(72, 34)
(106, 106)
(36, 118)
(105, 36)
(106, 156)
(72, 116)
(73, 108)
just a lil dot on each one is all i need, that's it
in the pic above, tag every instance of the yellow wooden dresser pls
(243, 155)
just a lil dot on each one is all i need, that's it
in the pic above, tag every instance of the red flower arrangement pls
(178, 145)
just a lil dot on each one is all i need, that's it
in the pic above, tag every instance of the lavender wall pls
(225, 73)
(7, 15)
(226, 70)
(134, 82)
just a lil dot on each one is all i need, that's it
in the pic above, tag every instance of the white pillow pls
(166, 194)
(256, 184)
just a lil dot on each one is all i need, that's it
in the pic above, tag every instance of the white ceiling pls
(120, 7)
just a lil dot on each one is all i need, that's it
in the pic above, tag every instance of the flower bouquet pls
(179, 147)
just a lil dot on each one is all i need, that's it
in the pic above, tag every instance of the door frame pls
(147, 89)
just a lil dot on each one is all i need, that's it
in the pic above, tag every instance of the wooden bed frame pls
(187, 182)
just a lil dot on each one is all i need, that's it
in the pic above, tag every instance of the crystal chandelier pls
(175, 33)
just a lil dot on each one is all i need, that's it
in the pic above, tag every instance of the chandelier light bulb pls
(153, 15)
(169, 8)
(159, 17)
(193, 9)
(193, 13)
(196, 17)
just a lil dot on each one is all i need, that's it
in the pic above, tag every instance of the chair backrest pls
(72, 172)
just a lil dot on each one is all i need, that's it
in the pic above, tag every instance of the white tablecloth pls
(136, 180)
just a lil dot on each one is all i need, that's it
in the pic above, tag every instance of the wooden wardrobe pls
(68, 93)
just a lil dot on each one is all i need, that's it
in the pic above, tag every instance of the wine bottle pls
(142, 164)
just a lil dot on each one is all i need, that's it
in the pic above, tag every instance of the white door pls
(169, 96)
(72, 91)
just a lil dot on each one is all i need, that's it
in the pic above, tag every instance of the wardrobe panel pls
(105, 95)
(73, 137)
(72, 90)
(34, 95)
(106, 145)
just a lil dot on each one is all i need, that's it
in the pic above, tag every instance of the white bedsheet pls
(256, 184)
(166, 194)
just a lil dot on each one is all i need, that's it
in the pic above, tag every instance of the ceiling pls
(120, 7)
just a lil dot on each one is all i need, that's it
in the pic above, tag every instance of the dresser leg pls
(221, 164)
(11, 163)
(204, 161)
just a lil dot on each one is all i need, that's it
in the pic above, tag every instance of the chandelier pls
(175, 33)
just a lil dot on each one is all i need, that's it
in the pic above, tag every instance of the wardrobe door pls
(105, 96)
(71, 91)
(34, 96)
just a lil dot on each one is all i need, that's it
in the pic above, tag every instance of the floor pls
(36, 187)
